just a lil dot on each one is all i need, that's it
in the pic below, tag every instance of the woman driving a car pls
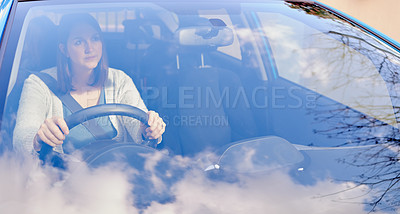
(82, 73)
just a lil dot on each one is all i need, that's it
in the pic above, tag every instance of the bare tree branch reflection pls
(381, 163)
(361, 77)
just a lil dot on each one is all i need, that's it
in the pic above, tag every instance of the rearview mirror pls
(205, 36)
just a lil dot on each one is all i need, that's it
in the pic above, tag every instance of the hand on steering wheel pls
(52, 132)
(155, 130)
(156, 126)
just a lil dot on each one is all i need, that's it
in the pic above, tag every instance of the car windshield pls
(219, 74)
(224, 77)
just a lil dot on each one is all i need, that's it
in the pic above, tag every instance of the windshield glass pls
(286, 90)
(224, 73)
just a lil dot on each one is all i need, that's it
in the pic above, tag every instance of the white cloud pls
(26, 187)
(275, 193)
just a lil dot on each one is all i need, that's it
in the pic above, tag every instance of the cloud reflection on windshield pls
(26, 187)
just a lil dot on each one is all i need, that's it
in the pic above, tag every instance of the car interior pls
(209, 79)
(167, 63)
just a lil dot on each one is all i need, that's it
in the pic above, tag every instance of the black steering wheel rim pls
(105, 110)
(91, 113)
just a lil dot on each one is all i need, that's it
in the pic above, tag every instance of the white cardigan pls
(38, 102)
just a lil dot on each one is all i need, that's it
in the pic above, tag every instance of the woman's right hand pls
(52, 132)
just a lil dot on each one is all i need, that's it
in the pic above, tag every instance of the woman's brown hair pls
(64, 75)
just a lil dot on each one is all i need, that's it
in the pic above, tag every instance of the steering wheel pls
(94, 112)
(133, 155)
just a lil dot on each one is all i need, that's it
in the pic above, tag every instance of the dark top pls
(80, 136)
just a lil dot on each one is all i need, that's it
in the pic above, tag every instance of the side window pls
(322, 63)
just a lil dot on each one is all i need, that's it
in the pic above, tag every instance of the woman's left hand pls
(156, 126)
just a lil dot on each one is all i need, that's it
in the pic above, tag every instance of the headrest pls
(141, 30)
(206, 32)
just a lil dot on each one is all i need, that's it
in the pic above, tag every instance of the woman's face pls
(84, 47)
